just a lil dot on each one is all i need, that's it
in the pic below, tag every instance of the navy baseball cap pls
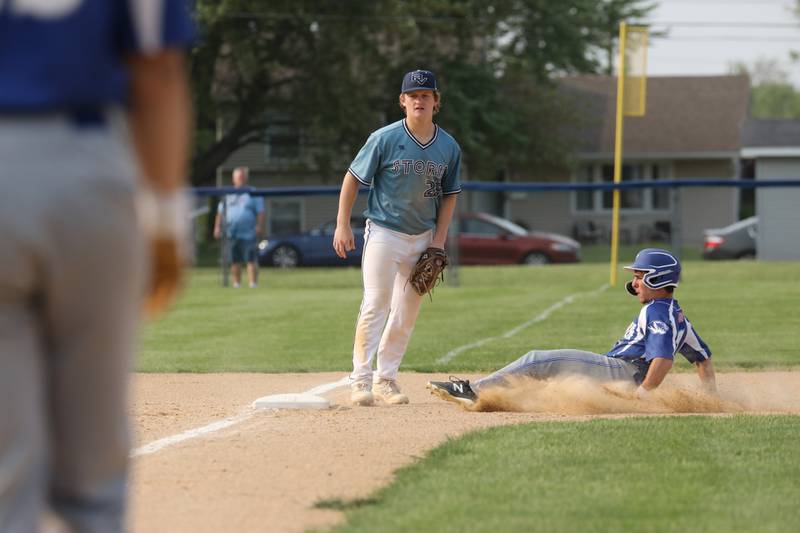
(418, 80)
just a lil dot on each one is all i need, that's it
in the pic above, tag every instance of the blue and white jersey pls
(241, 215)
(60, 55)
(407, 179)
(660, 330)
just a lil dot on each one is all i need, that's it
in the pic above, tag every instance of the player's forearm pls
(705, 371)
(159, 118)
(658, 370)
(443, 218)
(346, 199)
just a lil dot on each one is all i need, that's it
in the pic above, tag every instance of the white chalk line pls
(160, 444)
(189, 434)
(544, 315)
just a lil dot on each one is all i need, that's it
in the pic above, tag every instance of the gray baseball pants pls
(544, 364)
(71, 273)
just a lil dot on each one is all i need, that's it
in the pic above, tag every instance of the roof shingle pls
(698, 114)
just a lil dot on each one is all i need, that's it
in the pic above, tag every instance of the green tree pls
(250, 63)
(775, 100)
(332, 68)
(772, 94)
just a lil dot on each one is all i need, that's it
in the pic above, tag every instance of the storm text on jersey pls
(431, 170)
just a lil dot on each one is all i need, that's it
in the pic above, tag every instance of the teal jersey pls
(407, 179)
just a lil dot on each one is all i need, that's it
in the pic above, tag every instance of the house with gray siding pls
(774, 147)
(691, 130)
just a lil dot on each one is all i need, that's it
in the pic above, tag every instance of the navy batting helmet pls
(661, 268)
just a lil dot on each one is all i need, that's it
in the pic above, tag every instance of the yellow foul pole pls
(618, 153)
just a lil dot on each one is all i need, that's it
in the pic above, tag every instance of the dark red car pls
(486, 239)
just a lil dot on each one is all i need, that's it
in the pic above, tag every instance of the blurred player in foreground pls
(643, 356)
(412, 167)
(94, 115)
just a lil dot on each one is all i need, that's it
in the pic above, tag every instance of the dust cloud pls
(577, 395)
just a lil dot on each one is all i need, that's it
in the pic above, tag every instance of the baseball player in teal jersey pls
(644, 355)
(412, 168)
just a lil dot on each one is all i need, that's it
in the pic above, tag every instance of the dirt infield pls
(266, 470)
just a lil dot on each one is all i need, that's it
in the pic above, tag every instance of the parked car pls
(737, 241)
(486, 239)
(313, 248)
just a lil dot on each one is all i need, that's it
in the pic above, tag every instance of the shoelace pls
(454, 379)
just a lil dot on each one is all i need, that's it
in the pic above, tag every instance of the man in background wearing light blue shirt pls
(244, 223)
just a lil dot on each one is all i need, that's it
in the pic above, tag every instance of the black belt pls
(80, 117)
(88, 118)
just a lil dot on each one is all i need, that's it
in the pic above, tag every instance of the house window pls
(628, 198)
(641, 200)
(660, 195)
(285, 216)
(283, 139)
(584, 200)
(284, 147)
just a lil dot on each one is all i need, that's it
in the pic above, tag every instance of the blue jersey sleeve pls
(660, 335)
(151, 26)
(694, 349)
(451, 183)
(367, 161)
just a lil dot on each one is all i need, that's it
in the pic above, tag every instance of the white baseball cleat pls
(361, 393)
(388, 391)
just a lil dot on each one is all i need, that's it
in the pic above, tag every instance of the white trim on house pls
(771, 151)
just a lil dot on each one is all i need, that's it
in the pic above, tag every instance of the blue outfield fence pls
(657, 184)
(493, 186)
(270, 191)
(675, 185)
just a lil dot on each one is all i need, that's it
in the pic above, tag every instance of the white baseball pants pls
(388, 259)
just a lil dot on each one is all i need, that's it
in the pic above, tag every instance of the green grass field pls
(687, 474)
(303, 320)
(641, 474)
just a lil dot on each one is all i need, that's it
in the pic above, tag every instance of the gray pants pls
(71, 272)
(544, 364)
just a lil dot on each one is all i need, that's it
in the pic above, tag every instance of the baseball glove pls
(429, 270)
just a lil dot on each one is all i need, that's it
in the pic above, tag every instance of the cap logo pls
(419, 78)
